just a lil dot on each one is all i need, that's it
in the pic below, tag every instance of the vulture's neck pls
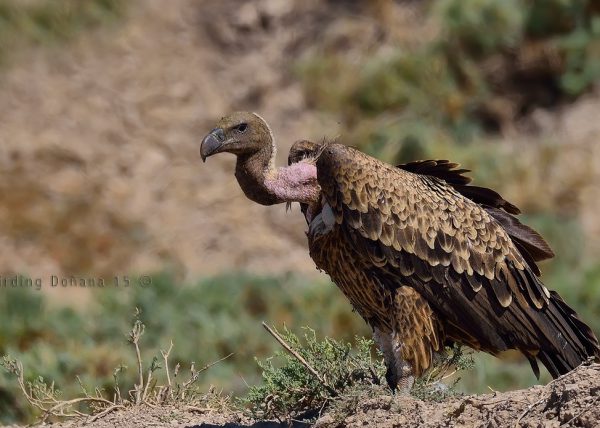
(265, 184)
(252, 170)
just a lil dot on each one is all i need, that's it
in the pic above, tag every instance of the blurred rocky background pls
(103, 104)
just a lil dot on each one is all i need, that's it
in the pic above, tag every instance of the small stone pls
(567, 415)
(324, 421)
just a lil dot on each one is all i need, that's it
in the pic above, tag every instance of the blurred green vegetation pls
(491, 63)
(43, 22)
(206, 321)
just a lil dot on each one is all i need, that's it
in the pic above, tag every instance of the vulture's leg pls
(416, 335)
(399, 373)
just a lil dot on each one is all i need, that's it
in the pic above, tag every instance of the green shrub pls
(313, 374)
(492, 62)
(289, 388)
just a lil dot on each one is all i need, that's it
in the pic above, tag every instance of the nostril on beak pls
(218, 132)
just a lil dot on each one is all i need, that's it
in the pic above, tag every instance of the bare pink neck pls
(263, 183)
(294, 183)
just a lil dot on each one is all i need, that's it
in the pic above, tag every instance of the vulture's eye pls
(241, 127)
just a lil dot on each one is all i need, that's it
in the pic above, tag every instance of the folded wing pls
(459, 246)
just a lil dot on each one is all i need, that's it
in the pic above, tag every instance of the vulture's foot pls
(399, 374)
(400, 383)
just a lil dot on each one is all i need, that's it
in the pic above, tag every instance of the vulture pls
(424, 257)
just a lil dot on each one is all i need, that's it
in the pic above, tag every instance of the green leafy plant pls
(310, 373)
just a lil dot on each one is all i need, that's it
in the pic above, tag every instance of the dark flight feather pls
(528, 238)
(446, 170)
(442, 169)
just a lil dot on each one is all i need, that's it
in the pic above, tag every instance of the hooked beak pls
(212, 144)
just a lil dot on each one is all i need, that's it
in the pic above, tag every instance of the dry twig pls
(165, 356)
(578, 415)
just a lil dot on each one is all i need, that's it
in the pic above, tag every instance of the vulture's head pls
(248, 136)
(241, 133)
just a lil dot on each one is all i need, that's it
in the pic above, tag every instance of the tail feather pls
(571, 341)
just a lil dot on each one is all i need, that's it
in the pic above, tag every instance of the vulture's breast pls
(333, 254)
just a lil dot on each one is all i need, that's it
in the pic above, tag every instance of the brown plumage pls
(427, 259)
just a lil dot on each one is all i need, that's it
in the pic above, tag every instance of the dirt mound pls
(572, 400)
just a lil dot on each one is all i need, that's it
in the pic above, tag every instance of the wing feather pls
(530, 244)
(471, 261)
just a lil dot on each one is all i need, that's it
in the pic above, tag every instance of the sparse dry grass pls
(46, 397)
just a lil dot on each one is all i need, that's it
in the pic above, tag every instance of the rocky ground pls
(572, 400)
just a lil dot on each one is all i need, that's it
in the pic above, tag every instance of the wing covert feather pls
(422, 216)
